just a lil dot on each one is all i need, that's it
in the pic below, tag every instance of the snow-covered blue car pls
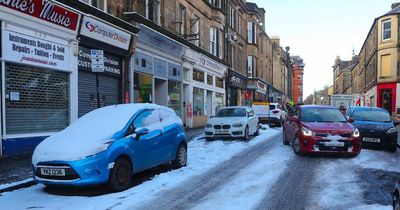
(110, 144)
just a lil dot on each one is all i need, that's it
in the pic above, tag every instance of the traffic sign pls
(97, 60)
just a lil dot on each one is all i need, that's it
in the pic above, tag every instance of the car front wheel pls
(258, 130)
(296, 146)
(181, 157)
(121, 175)
(396, 203)
(285, 142)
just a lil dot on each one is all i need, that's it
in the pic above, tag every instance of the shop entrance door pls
(160, 92)
(386, 97)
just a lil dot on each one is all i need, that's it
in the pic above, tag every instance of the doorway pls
(160, 92)
(209, 103)
(386, 99)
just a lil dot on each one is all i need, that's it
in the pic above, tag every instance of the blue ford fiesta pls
(110, 144)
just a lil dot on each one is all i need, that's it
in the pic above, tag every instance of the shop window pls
(143, 87)
(219, 82)
(385, 65)
(37, 100)
(174, 96)
(219, 101)
(198, 75)
(198, 102)
(210, 80)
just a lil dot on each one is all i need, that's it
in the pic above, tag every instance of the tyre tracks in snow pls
(193, 191)
(293, 186)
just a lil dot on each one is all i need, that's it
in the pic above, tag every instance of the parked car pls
(348, 111)
(110, 144)
(261, 109)
(320, 129)
(277, 115)
(234, 122)
(396, 195)
(376, 127)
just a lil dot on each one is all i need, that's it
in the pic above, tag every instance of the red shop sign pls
(44, 10)
(247, 95)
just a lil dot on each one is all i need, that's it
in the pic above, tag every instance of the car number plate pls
(334, 144)
(222, 132)
(52, 172)
(371, 139)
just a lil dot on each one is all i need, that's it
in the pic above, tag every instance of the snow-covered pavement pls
(259, 174)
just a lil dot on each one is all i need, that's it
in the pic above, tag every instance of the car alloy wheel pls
(285, 142)
(296, 146)
(181, 157)
(258, 130)
(246, 133)
(121, 175)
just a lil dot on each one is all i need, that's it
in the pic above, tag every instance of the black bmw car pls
(376, 127)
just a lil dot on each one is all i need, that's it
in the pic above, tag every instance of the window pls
(251, 33)
(214, 41)
(196, 31)
(250, 66)
(139, 121)
(210, 80)
(232, 17)
(100, 4)
(219, 82)
(182, 20)
(214, 3)
(385, 65)
(150, 9)
(386, 30)
(198, 75)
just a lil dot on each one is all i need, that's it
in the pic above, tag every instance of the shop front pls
(157, 70)
(387, 97)
(98, 88)
(208, 88)
(38, 70)
(236, 89)
(259, 93)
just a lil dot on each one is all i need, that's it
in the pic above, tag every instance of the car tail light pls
(275, 112)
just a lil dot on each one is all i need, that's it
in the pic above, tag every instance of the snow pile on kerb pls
(88, 135)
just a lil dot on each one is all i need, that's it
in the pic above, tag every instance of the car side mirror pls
(351, 120)
(140, 132)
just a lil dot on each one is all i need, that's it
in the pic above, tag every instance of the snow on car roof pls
(87, 135)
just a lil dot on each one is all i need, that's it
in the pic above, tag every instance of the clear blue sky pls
(320, 30)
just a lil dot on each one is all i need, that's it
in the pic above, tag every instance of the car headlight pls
(238, 125)
(103, 148)
(306, 131)
(208, 125)
(356, 133)
(391, 130)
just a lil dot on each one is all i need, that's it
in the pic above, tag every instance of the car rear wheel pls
(121, 175)
(181, 157)
(284, 140)
(296, 146)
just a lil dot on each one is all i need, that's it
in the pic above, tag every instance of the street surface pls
(259, 174)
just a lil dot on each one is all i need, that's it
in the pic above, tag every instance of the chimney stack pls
(394, 5)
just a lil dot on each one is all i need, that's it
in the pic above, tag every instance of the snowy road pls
(259, 174)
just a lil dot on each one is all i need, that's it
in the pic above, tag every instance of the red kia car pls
(320, 129)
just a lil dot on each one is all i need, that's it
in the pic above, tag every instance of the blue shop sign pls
(174, 72)
(159, 41)
(143, 63)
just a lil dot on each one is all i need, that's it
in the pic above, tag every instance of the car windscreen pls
(232, 112)
(272, 107)
(321, 115)
(371, 115)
